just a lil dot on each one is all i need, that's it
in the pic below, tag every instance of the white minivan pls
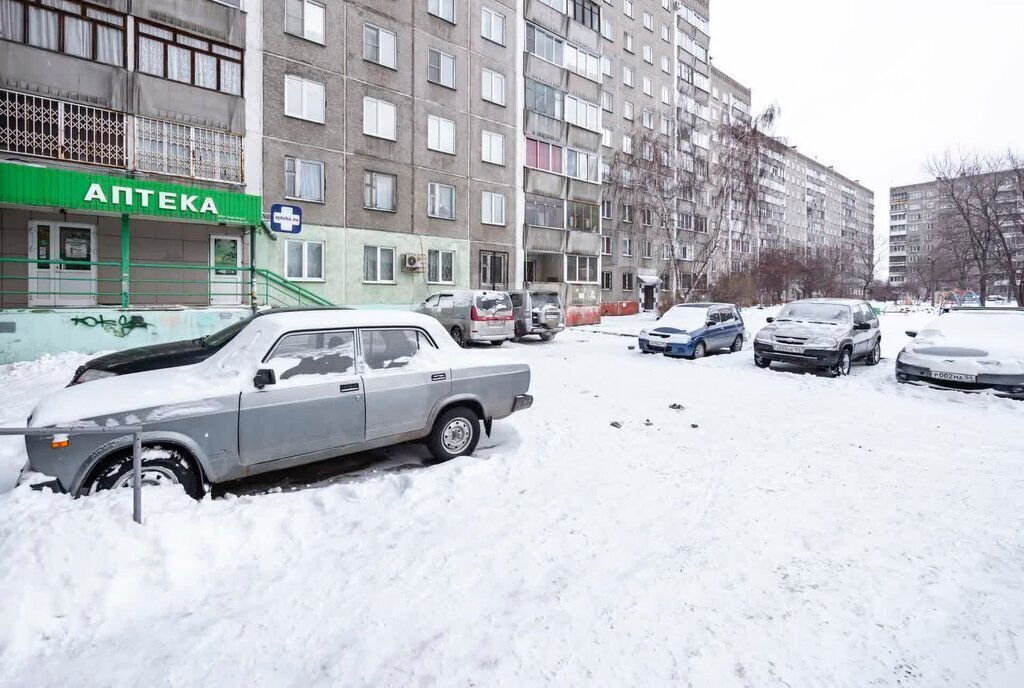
(473, 315)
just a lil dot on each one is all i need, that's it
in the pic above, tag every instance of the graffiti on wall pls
(123, 326)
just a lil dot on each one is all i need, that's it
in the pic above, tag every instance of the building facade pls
(913, 213)
(392, 126)
(118, 122)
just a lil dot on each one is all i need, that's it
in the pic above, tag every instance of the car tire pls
(161, 465)
(458, 336)
(456, 433)
(700, 350)
(547, 336)
(760, 361)
(842, 366)
(737, 344)
(499, 342)
(875, 356)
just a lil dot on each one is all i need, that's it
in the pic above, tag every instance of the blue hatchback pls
(691, 330)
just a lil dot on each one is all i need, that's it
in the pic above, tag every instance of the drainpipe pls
(252, 268)
(125, 258)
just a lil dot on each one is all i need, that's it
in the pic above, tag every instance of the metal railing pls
(123, 431)
(43, 282)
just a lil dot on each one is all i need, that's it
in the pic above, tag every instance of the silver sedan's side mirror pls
(264, 377)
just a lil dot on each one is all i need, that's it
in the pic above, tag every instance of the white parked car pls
(969, 349)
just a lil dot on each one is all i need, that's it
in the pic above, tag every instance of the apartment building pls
(392, 127)
(913, 213)
(121, 153)
(736, 247)
(638, 102)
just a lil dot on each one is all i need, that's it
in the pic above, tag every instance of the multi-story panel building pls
(121, 153)
(638, 102)
(561, 77)
(393, 127)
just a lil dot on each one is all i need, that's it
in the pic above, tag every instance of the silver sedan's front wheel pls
(161, 465)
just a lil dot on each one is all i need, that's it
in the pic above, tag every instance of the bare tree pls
(1010, 210)
(864, 263)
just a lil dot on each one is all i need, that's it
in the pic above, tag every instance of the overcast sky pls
(875, 87)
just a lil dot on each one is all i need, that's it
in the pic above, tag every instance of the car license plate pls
(954, 377)
(789, 349)
(656, 345)
(497, 324)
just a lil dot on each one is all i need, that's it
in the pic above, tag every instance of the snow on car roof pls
(338, 317)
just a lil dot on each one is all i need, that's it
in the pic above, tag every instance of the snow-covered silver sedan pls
(290, 388)
(968, 349)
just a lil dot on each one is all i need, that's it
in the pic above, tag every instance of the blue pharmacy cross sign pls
(286, 218)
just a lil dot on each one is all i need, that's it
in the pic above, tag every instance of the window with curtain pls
(304, 260)
(189, 59)
(12, 21)
(441, 201)
(43, 28)
(379, 190)
(304, 179)
(378, 264)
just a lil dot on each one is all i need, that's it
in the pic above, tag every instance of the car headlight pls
(682, 338)
(90, 374)
(643, 333)
(825, 342)
(763, 336)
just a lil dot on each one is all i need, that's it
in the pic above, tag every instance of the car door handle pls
(353, 387)
(437, 377)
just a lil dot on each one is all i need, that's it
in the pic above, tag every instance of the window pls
(582, 165)
(582, 114)
(492, 208)
(627, 246)
(304, 99)
(648, 86)
(304, 260)
(493, 270)
(543, 44)
(627, 8)
(440, 134)
(627, 76)
(606, 245)
(627, 212)
(647, 117)
(391, 349)
(441, 201)
(584, 217)
(166, 147)
(647, 219)
(587, 13)
(627, 281)
(492, 148)
(311, 355)
(666, 66)
(379, 190)
(68, 27)
(305, 18)
(606, 281)
(445, 9)
(627, 110)
(627, 145)
(304, 179)
(541, 211)
(648, 21)
(665, 35)
(606, 138)
(492, 86)
(607, 101)
(583, 63)
(607, 30)
(627, 42)
(441, 68)
(182, 57)
(378, 264)
(581, 269)
(666, 95)
(648, 53)
(544, 156)
(666, 126)
(440, 267)
(379, 45)
(492, 25)
(544, 99)
(379, 118)
(666, 254)
(606, 65)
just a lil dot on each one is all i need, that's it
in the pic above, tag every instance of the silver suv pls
(828, 334)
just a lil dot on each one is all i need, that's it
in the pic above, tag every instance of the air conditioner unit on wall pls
(414, 262)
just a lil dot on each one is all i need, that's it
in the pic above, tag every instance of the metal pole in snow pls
(137, 477)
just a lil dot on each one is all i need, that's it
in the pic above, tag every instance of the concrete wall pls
(28, 334)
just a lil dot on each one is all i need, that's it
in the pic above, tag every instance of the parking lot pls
(648, 522)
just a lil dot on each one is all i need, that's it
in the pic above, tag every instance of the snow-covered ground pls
(780, 529)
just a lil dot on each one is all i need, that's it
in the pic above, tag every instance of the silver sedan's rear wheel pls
(456, 433)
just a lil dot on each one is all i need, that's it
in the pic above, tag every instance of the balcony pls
(544, 239)
(546, 127)
(583, 36)
(582, 87)
(543, 71)
(544, 183)
(59, 130)
(583, 243)
(547, 17)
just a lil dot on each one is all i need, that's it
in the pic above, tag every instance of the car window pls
(858, 315)
(432, 301)
(725, 316)
(493, 304)
(392, 349)
(446, 301)
(313, 353)
(714, 318)
(517, 300)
